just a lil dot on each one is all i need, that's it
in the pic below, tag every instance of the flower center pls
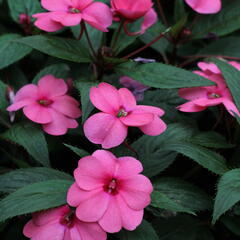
(73, 10)
(68, 219)
(214, 95)
(111, 187)
(122, 113)
(45, 102)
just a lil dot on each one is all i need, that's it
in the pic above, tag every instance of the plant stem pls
(160, 8)
(144, 47)
(89, 40)
(116, 37)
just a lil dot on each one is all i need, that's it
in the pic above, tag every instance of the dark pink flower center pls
(45, 102)
(122, 113)
(68, 220)
(111, 187)
(74, 10)
(213, 95)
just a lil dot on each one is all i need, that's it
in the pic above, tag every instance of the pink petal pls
(231, 107)
(59, 124)
(89, 231)
(111, 221)
(92, 209)
(136, 192)
(55, 5)
(44, 22)
(30, 229)
(38, 113)
(50, 215)
(128, 166)
(209, 67)
(71, 233)
(149, 19)
(29, 91)
(17, 105)
(205, 102)
(67, 105)
(81, 4)
(50, 87)
(67, 19)
(127, 99)
(98, 15)
(190, 107)
(105, 129)
(193, 93)
(130, 218)
(155, 127)
(105, 97)
(205, 6)
(137, 119)
(151, 109)
(235, 64)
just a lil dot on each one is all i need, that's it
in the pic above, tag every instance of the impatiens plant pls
(119, 119)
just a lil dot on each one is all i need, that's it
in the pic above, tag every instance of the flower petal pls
(205, 7)
(98, 15)
(50, 87)
(193, 93)
(190, 107)
(67, 19)
(155, 127)
(105, 129)
(150, 109)
(127, 99)
(38, 113)
(137, 119)
(55, 5)
(105, 97)
(231, 107)
(148, 20)
(67, 105)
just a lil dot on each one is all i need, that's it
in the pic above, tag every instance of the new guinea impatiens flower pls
(205, 6)
(110, 190)
(202, 97)
(48, 104)
(131, 10)
(119, 111)
(72, 12)
(61, 224)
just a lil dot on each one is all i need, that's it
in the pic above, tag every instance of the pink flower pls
(61, 224)
(24, 19)
(134, 86)
(205, 6)
(48, 104)
(110, 190)
(72, 12)
(132, 10)
(119, 111)
(202, 97)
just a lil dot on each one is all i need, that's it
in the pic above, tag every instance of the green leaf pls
(83, 87)
(80, 152)
(28, 7)
(231, 76)
(177, 28)
(32, 139)
(154, 158)
(225, 22)
(207, 158)
(3, 90)
(228, 193)
(152, 33)
(228, 46)
(34, 197)
(11, 181)
(210, 140)
(179, 10)
(144, 232)
(60, 70)
(68, 49)
(160, 75)
(11, 51)
(179, 196)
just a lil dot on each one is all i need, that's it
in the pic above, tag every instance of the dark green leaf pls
(228, 193)
(34, 197)
(11, 51)
(225, 22)
(78, 151)
(11, 181)
(160, 75)
(60, 70)
(58, 47)
(144, 232)
(32, 139)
